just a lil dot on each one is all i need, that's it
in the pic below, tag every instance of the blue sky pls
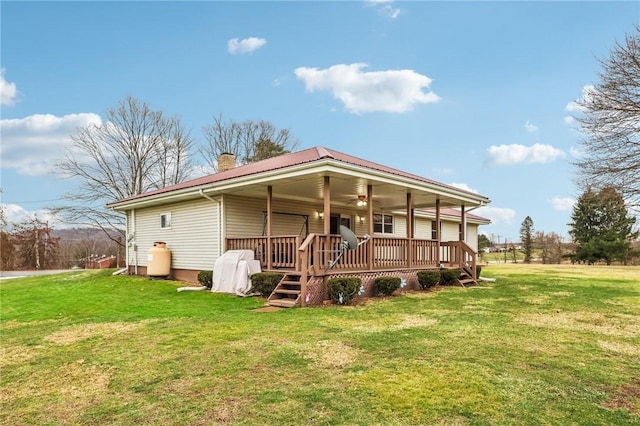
(475, 94)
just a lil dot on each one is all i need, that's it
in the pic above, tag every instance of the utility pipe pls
(219, 204)
(134, 245)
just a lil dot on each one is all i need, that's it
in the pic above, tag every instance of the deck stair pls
(287, 292)
(465, 279)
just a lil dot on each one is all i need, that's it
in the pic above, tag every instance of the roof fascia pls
(323, 165)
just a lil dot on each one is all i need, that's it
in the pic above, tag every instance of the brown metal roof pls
(282, 162)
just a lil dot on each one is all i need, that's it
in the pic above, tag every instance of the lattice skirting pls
(317, 286)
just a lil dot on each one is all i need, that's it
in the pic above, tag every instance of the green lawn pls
(543, 345)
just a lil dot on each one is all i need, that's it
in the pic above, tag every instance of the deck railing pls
(281, 253)
(460, 254)
(288, 252)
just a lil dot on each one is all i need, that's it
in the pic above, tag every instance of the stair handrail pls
(466, 249)
(303, 251)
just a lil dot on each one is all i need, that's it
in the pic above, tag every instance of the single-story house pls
(288, 210)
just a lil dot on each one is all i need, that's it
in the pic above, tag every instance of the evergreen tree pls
(526, 237)
(601, 227)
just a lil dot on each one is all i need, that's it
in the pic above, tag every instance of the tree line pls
(139, 149)
(601, 229)
(33, 244)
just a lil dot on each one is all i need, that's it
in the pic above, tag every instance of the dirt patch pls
(620, 347)
(621, 325)
(625, 397)
(328, 354)
(227, 410)
(10, 355)
(74, 387)
(415, 321)
(401, 323)
(76, 333)
(562, 293)
(13, 324)
(535, 300)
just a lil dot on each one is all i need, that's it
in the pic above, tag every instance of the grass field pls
(543, 345)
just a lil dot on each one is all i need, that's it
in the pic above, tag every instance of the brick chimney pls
(226, 161)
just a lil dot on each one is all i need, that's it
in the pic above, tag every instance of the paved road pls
(4, 275)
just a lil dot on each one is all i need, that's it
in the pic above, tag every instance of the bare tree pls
(249, 141)
(609, 118)
(35, 246)
(134, 151)
(550, 246)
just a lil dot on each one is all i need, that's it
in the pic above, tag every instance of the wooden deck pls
(309, 258)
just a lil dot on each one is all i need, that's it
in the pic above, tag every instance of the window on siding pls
(434, 230)
(383, 223)
(165, 220)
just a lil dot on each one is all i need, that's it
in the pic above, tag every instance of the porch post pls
(327, 206)
(438, 232)
(269, 214)
(410, 233)
(370, 227)
(463, 224)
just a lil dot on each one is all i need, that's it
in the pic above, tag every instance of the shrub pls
(478, 270)
(386, 285)
(428, 279)
(342, 290)
(205, 278)
(265, 282)
(449, 276)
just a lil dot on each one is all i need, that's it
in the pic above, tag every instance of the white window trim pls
(167, 216)
(382, 232)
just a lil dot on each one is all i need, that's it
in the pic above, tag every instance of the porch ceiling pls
(345, 190)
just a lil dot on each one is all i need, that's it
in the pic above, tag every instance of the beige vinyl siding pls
(471, 238)
(192, 237)
(449, 231)
(245, 217)
(422, 228)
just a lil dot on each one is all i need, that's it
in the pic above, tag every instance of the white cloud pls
(562, 203)
(529, 127)
(8, 91)
(496, 214)
(464, 187)
(248, 45)
(577, 106)
(389, 11)
(385, 8)
(576, 152)
(31, 145)
(359, 92)
(17, 214)
(518, 154)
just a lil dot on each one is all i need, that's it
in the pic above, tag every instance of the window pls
(165, 220)
(434, 230)
(383, 223)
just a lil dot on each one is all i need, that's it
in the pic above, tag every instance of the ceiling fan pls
(360, 201)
